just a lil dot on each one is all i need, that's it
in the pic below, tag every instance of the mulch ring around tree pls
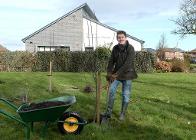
(2, 82)
(43, 105)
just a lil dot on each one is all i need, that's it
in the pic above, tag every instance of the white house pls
(78, 30)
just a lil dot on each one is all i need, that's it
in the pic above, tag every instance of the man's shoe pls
(123, 111)
(122, 117)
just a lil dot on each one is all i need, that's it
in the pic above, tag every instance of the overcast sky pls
(144, 19)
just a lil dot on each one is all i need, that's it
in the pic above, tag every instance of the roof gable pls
(89, 12)
(83, 6)
(113, 29)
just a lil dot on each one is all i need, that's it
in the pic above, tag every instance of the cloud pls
(140, 17)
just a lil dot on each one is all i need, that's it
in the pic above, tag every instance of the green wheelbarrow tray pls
(50, 114)
(55, 113)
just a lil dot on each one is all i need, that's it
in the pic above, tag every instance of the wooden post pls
(98, 95)
(50, 77)
(50, 67)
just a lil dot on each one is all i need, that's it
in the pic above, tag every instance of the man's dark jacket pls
(121, 62)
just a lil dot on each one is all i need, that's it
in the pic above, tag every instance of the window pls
(52, 48)
(45, 48)
(66, 48)
(89, 49)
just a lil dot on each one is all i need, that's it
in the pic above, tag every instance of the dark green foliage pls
(102, 55)
(144, 62)
(89, 61)
(17, 61)
(42, 65)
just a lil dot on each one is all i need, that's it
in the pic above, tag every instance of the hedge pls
(71, 61)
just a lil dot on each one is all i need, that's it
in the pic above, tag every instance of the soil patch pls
(43, 105)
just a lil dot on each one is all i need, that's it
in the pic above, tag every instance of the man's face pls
(121, 39)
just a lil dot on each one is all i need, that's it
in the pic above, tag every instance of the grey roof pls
(173, 50)
(149, 50)
(84, 6)
(111, 28)
(90, 12)
(194, 50)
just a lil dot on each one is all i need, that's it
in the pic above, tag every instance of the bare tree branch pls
(186, 22)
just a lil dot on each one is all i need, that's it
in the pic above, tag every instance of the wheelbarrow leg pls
(31, 126)
(44, 130)
(27, 133)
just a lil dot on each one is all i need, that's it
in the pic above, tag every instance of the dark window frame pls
(89, 49)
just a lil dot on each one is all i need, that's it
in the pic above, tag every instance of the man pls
(120, 70)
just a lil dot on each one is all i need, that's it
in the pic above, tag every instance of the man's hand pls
(111, 77)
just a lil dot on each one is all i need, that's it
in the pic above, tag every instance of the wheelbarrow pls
(68, 122)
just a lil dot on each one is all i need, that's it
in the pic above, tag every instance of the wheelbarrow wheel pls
(70, 128)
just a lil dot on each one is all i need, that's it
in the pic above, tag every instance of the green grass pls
(163, 106)
(193, 65)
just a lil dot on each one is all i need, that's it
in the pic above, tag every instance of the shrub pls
(179, 65)
(187, 60)
(163, 66)
(71, 61)
(17, 61)
(102, 55)
(144, 61)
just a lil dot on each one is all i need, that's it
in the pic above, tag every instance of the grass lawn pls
(163, 106)
(193, 66)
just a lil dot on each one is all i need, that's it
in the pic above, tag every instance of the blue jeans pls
(126, 92)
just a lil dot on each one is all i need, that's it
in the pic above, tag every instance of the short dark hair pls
(121, 32)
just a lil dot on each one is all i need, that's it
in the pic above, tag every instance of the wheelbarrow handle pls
(12, 117)
(8, 103)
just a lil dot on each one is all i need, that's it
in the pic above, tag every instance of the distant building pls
(78, 30)
(151, 50)
(169, 54)
(3, 49)
(193, 55)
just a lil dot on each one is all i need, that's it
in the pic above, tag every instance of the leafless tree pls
(160, 47)
(186, 22)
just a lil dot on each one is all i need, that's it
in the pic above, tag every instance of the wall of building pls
(76, 32)
(95, 35)
(172, 55)
(66, 32)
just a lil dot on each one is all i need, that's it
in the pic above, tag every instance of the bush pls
(17, 61)
(71, 61)
(144, 61)
(102, 54)
(163, 66)
(179, 65)
(187, 60)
